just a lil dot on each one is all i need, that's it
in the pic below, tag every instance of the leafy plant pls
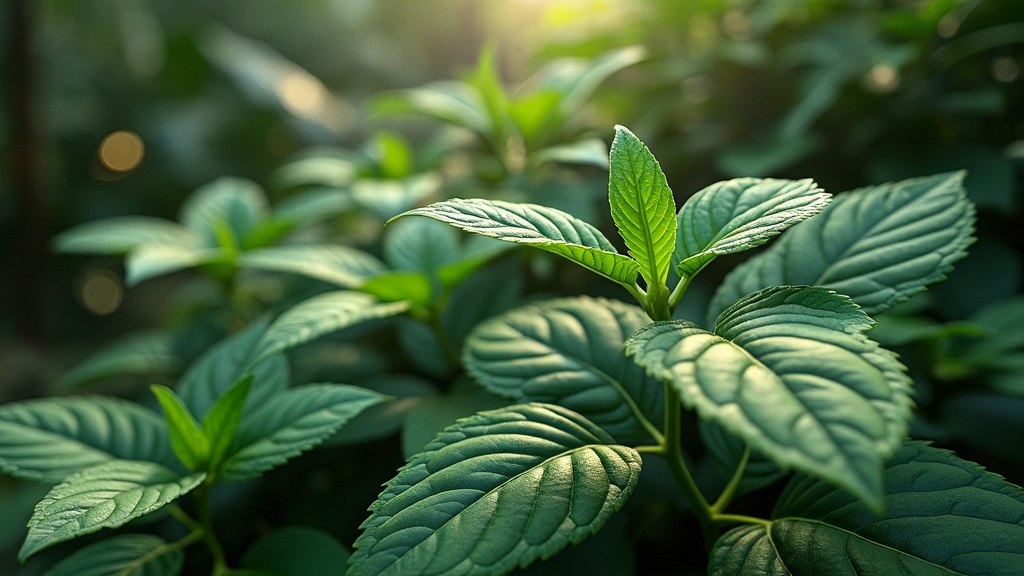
(783, 378)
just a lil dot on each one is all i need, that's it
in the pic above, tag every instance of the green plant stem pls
(674, 457)
(740, 519)
(734, 484)
(202, 496)
(679, 290)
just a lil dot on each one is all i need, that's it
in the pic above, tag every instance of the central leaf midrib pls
(644, 224)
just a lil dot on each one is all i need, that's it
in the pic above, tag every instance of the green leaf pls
(538, 226)
(412, 288)
(420, 244)
(571, 352)
(449, 101)
(47, 439)
(642, 205)
(221, 422)
(226, 363)
(587, 152)
(188, 440)
(227, 204)
(293, 422)
(142, 353)
(740, 214)
(126, 555)
(879, 245)
(945, 516)
(296, 551)
(577, 83)
(495, 491)
(320, 315)
(121, 234)
(152, 260)
(341, 265)
(105, 496)
(789, 371)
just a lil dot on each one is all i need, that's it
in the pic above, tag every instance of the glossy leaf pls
(291, 423)
(470, 503)
(341, 265)
(538, 226)
(126, 555)
(188, 440)
(320, 315)
(879, 245)
(642, 205)
(945, 516)
(122, 234)
(570, 352)
(789, 370)
(48, 439)
(740, 214)
(105, 496)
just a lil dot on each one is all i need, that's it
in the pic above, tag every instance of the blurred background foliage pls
(124, 107)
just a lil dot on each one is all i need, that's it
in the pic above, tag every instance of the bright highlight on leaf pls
(538, 226)
(495, 491)
(789, 371)
(945, 516)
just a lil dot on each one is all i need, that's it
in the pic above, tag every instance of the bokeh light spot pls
(121, 151)
(100, 291)
(1005, 69)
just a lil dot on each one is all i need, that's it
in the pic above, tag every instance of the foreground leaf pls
(642, 205)
(495, 491)
(571, 352)
(104, 496)
(945, 516)
(538, 226)
(740, 214)
(878, 245)
(47, 439)
(789, 371)
(127, 555)
(291, 423)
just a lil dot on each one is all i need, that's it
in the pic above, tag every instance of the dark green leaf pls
(144, 353)
(296, 551)
(471, 501)
(127, 555)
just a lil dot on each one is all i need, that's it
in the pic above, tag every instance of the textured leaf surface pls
(945, 516)
(538, 226)
(878, 245)
(291, 423)
(494, 491)
(571, 352)
(127, 555)
(740, 214)
(105, 496)
(341, 265)
(47, 439)
(789, 371)
(119, 235)
(323, 314)
(642, 205)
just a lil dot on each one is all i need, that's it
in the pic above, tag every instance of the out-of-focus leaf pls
(334, 263)
(147, 353)
(122, 234)
(125, 555)
(296, 551)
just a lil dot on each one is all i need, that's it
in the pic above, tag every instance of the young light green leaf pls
(740, 214)
(642, 205)
(789, 371)
(221, 422)
(228, 361)
(571, 352)
(291, 423)
(230, 204)
(188, 440)
(47, 439)
(538, 226)
(945, 516)
(125, 555)
(495, 491)
(879, 245)
(142, 353)
(105, 496)
(121, 234)
(341, 265)
(320, 315)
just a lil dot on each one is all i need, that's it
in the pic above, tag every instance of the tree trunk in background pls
(29, 276)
